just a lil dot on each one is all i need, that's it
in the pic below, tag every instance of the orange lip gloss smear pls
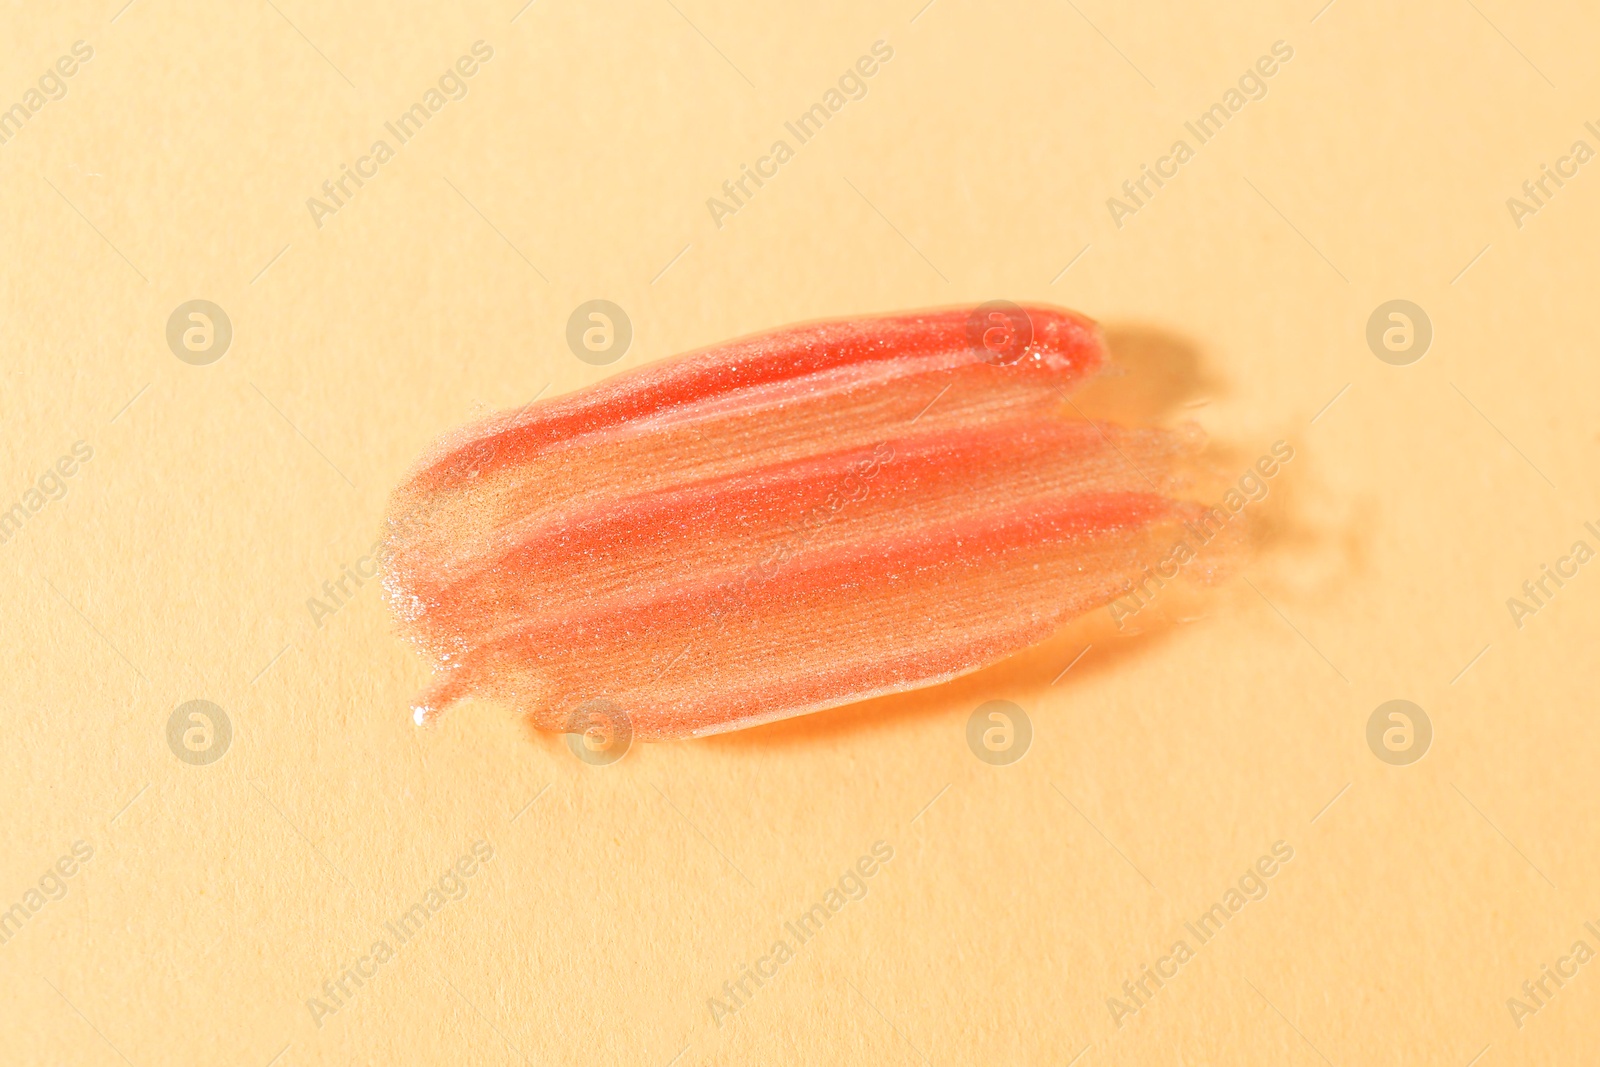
(779, 524)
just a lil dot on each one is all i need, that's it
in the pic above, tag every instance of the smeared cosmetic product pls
(780, 524)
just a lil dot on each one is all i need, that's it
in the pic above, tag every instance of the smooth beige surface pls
(618, 900)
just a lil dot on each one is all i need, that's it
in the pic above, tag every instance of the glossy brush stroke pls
(777, 525)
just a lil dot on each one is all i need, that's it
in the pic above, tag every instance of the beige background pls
(220, 898)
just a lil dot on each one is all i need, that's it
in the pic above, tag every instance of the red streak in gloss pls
(1067, 349)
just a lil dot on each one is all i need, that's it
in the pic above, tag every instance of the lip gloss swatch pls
(779, 524)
